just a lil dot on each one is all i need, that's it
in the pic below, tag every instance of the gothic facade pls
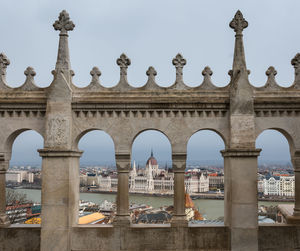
(62, 113)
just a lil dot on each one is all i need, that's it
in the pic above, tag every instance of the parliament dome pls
(151, 160)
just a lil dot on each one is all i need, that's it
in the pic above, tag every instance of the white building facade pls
(279, 186)
(148, 180)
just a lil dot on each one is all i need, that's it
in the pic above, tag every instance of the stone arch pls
(222, 135)
(149, 129)
(8, 142)
(285, 133)
(84, 132)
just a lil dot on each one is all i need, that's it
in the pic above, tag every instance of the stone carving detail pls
(95, 73)
(296, 63)
(64, 24)
(151, 84)
(271, 72)
(4, 62)
(179, 62)
(207, 72)
(238, 23)
(271, 82)
(29, 73)
(207, 84)
(29, 84)
(207, 113)
(179, 162)
(151, 72)
(123, 162)
(123, 61)
(95, 82)
(57, 132)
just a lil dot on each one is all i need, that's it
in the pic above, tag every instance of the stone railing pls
(62, 113)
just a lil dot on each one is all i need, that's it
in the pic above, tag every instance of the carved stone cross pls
(151, 73)
(123, 61)
(207, 72)
(64, 24)
(238, 23)
(179, 62)
(29, 73)
(271, 72)
(95, 73)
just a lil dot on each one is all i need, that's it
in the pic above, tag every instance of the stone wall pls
(145, 238)
(62, 113)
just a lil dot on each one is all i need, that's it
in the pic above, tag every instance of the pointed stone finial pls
(151, 73)
(123, 61)
(271, 84)
(271, 72)
(207, 84)
(63, 24)
(95, 73)
(4, 62)
(29, 84)
(207, 72)
(29, 73)
(238, 23)
(296, 63)
(63, 64)
(179, 62)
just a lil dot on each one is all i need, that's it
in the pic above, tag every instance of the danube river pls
(211, 209)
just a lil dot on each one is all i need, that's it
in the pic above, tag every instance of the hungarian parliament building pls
(148, 180)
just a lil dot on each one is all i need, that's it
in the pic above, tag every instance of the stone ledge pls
(287, 213)
(240, 152)
(59, 153)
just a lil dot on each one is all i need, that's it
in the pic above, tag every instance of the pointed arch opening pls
(204, 178)
(275, 175)
(98, 179)
(151, 179)
(24, 177)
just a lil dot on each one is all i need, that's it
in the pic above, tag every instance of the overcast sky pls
(151, 33)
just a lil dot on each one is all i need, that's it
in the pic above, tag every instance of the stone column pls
(241, 197)
(123, 166)
(179, 165)
(4, 165)
(296, 165)
(60, 197)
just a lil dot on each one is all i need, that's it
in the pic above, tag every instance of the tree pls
(17, 205)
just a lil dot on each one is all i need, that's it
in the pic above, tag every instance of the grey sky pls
(151, 33)
(203, 147)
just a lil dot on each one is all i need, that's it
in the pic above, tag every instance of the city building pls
(238, 111)
(152, 179)
(19, 176)
(279, 186)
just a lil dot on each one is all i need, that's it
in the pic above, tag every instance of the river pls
(211, 209)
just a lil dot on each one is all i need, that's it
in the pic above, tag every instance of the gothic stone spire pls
(63, 24)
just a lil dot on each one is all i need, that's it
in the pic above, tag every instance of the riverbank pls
(208, 196)
(211, 208)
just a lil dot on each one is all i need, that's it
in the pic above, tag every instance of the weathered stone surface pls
(62, 113)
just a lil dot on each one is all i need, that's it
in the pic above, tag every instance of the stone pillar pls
(4, 165)
(123, 166)
(241, 197)
(60, 197)
(179, 165)
(227, 190)
(296, 165)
